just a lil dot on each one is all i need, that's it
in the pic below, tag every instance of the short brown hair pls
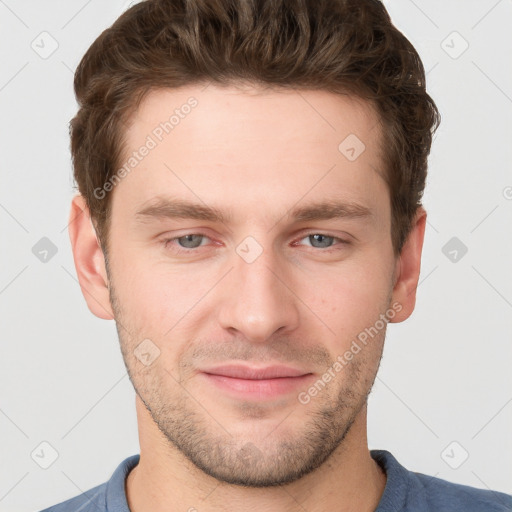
(341, 46)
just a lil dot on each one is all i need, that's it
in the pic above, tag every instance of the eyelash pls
(181, 250)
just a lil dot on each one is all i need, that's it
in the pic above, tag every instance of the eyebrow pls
(166, 208)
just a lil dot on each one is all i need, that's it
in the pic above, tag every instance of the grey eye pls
(320, 239)
(190, 241)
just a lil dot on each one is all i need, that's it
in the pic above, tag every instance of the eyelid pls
(341, 241)
(180, 250)
(166, 240)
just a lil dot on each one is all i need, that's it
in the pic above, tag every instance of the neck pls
(165, 480)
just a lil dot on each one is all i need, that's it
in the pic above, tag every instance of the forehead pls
(251, 146)
(211, 112)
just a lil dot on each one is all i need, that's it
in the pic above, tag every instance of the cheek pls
(158, 300)
(348, 297)
(155, 296)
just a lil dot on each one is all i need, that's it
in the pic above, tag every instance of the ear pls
(407, 269)
(89, 260)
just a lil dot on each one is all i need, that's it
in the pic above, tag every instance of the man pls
(250, 178)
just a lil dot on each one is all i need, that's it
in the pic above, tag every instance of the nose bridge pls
(257, 303)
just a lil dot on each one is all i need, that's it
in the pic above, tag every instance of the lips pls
(256, 383)
(253, 373)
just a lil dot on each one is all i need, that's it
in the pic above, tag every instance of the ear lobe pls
(408, 266)
(89, 260)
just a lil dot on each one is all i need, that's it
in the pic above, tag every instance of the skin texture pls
(254, 155)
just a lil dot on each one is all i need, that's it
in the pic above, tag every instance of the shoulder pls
(411, 491)
(442, 495)
(108, 496)
(93, 500)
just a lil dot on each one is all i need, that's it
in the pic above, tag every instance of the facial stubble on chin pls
(283, 456)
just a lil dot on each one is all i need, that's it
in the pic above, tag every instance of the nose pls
(258, 300)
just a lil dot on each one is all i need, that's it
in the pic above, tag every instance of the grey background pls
(445, 376)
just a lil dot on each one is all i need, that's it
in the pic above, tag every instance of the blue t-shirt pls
(405, 491)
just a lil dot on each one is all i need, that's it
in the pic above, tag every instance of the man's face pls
(260, 287)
